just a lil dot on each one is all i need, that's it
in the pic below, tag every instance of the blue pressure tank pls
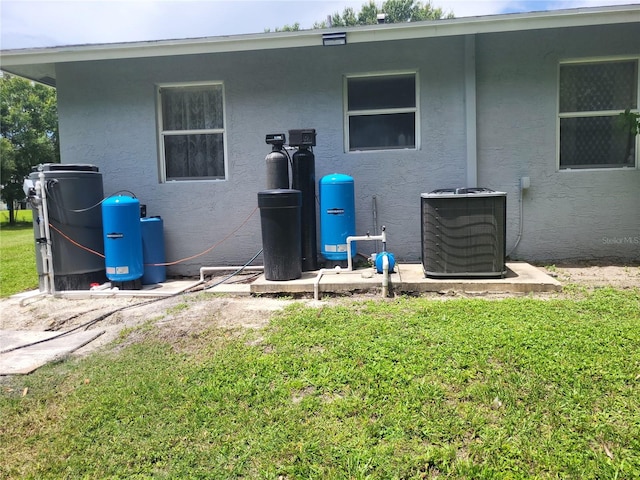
(122, 238)
(153, 251)
(337, 216)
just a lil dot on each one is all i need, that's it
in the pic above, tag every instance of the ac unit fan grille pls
(464, 236)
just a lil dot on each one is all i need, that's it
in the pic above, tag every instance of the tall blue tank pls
(337, 216)
(122, 238)
(153, 251)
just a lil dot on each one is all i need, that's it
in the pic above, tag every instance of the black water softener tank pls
(74, 193)
(304, 179)
(281, 241)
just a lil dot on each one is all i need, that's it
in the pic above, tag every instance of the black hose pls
(236, 272)
(108, 314)
(84, 325)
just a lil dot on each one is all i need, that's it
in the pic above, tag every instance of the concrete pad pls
(300, 285)
(521, 278)
(241, 289)
(164, 289)
(366, 280)
(51, 346)
(332, 280)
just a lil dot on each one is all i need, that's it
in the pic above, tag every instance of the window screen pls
(592, 96)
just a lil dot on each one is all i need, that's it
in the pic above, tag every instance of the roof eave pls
(15, 60)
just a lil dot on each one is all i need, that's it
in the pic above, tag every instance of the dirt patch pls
(180, 319)
(592, 275)
(175, 317)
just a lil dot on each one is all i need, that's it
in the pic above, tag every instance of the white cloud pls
(467, 8)
(38, 23)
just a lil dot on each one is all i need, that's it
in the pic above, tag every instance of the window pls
(591, 98)
(191, 124)
(381, 112)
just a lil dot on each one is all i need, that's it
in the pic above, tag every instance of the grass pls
(410, 388)
(17, 260)
(21, 217)
(17, 254)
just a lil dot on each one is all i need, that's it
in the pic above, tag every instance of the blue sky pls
(47, 23)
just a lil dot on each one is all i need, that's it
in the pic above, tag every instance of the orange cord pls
(167, 263)
(76, 243)
(210, 248)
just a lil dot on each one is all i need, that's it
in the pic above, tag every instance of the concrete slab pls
(340, 281)
(27, 350)
(235, 289)
(165, 289)
(521, 278)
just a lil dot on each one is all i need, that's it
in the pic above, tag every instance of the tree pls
(395, 11)
(28, 134)
(287, 28)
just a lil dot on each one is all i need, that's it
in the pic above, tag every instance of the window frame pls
(161, 132)
(595, 113)
(384, 111)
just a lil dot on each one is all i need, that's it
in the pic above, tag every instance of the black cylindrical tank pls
(280, 223)
(74, 193)
(304, 179)
(277, 170)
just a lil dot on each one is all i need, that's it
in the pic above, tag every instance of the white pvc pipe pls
(45, 232)
(114, 292)
(385, 276)
(31, 295)
(385, 260)
(43, 247)
(350, 239)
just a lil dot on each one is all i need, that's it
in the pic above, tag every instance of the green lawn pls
(22, 216)
(409, 388)
(17, 258)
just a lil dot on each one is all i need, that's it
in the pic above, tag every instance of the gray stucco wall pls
(567, 214)
(108, 118)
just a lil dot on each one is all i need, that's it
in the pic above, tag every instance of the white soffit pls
(26, 59)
